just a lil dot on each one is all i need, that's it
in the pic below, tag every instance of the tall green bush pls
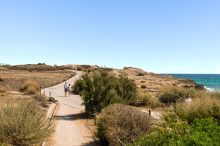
(100, 89)
(23, 124)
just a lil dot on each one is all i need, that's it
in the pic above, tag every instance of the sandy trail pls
(70, 123)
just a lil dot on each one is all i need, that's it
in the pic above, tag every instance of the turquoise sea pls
(209, 81)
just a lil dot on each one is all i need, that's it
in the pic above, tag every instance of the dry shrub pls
(30, 87)
(145, 99)
(1, 79)
(122, 124)
(23, 124)
(176, 94)
(199, 108)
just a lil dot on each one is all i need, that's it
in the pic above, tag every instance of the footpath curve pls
(70, 122)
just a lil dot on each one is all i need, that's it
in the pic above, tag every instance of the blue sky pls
(163, 36)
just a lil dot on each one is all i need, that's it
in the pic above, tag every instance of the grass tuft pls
(30, 87)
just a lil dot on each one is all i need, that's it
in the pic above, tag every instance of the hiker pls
(65, 89)
(69, 90)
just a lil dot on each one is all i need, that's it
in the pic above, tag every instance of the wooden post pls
(50, 94)
(149, 112)
(44, 93)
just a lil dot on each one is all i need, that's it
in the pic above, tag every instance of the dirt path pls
(70, 123)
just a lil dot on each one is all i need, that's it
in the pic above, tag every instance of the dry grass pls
(199, 108)
(14, 79)
(22, 123)
(30, 87)
(37, 67)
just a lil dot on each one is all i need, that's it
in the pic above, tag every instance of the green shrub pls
(119, 124)
(77, 88)
(199, 108)
(23, 124)
(30, 87)
(177, 94)
(101, 89)
(202, 132)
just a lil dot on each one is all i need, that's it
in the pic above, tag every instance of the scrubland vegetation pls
(195, 123)
(37, 67)
(22, 123)
(22, 118)
(13, 77)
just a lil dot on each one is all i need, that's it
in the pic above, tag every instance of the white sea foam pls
(210, 89)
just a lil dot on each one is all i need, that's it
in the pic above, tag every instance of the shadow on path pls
(72, 117)
(91, 144)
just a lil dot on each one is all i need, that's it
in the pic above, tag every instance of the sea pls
(210, 81)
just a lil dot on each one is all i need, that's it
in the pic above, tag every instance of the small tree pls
(101, 89)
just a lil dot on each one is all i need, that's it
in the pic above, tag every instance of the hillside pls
(146, 81)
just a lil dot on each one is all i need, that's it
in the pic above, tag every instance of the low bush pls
(1, 80)
(202, 132)
(176, 94)
(121, 124)
(30, 87)
(199, 108)
(142, 98)
(100, 89)
(23, 124)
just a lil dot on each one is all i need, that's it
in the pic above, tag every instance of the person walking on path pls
(65, 89)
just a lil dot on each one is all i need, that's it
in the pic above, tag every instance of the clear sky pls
(163, 36)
